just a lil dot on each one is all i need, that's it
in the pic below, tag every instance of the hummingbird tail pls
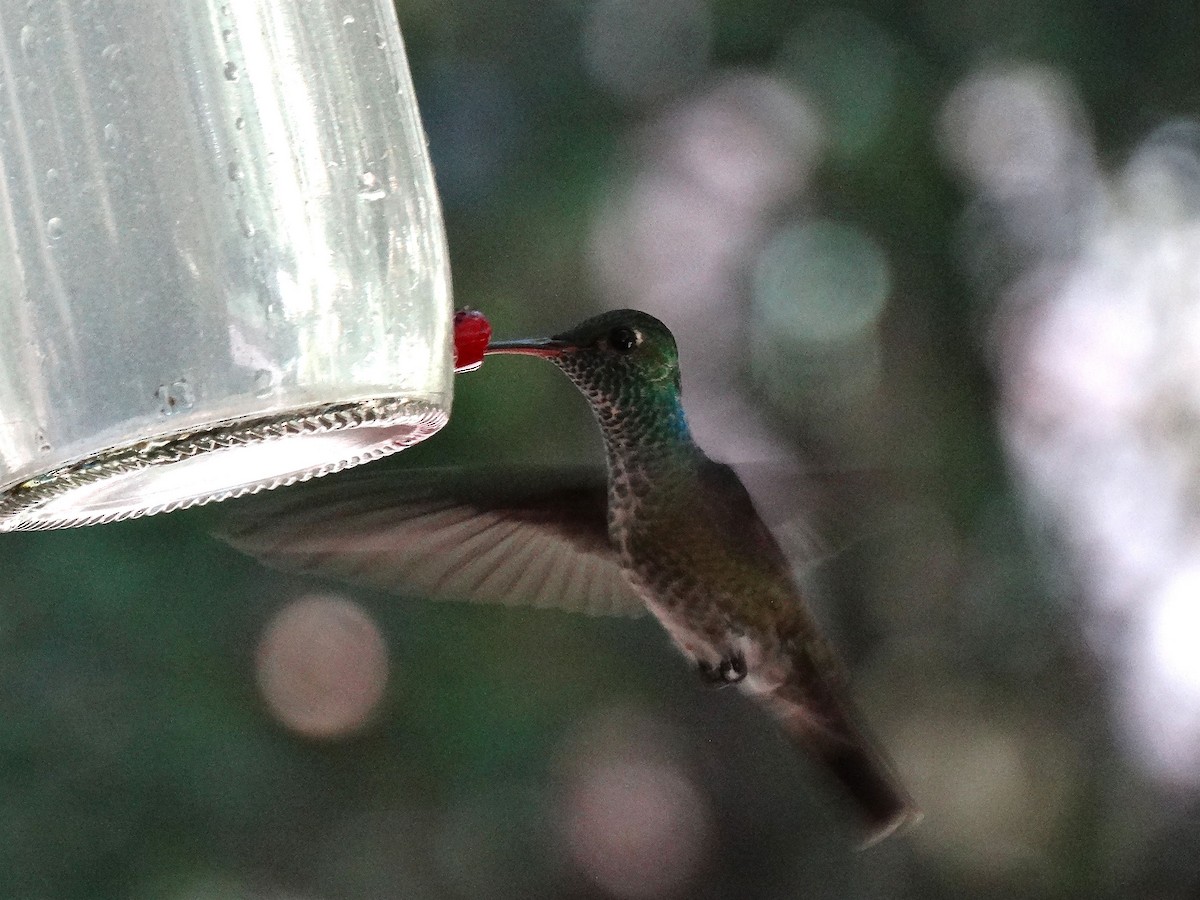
(827, 730)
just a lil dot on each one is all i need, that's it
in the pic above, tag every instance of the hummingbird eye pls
(623, 339)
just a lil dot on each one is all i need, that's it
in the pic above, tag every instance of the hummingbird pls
(665, 529)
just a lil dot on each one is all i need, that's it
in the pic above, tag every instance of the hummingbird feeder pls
(222, 260)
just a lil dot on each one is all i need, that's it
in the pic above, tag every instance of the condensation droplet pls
(28, 40)
(244, 224)
(231, 71)
(111, 52)
(55, 228)
(226, 34)
(369, 187)
(380, 40)
(348, 20)
(175, 397)
(43, 442)
(112, 136)
(264, 382)
(235, 172)
(52, 176)
(239, 123)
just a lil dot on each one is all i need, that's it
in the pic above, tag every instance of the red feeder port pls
(472, 332)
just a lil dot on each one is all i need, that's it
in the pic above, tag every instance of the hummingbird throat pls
(638, 416)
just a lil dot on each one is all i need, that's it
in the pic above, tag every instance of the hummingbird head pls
(611, 356)
(626, 364)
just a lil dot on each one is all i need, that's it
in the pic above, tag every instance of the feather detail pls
(517, 536)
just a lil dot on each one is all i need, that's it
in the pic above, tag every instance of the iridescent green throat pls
(643, 421)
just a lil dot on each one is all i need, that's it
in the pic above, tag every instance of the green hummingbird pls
(667, 530)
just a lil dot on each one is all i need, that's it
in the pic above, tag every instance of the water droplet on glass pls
(111, 135)
(380, 40)
(348, 20)
(231, 71)
(226, 34)
(52, 176)
(369, 187)
(55, 228)
(175, 397)
(29, 40)
(110, 52)
(244, 224)
(235, 172)
(264, 382)
(239, 123)
(43, 442)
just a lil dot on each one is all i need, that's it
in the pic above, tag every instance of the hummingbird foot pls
(730, 670)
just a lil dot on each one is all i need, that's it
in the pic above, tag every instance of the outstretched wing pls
(507, 535)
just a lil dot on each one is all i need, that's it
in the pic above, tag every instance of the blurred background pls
(946, 250)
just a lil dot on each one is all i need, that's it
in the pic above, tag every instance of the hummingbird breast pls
(693, 547)
(687, 534)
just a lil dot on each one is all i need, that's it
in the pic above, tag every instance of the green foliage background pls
(137, 759)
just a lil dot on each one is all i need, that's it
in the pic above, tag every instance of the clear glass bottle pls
(222, 261)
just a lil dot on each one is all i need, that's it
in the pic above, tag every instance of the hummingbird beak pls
(547, 348)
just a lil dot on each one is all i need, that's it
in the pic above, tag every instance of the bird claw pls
(730, 670)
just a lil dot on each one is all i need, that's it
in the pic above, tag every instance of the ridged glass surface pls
(212, 215)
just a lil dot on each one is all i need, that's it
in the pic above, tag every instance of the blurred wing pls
(732, 512)
(512, 536)
(817, 515)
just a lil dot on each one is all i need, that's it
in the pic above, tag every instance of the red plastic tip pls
(472, 334)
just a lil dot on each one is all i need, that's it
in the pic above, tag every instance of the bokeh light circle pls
(637, 827)
(851, 67)
(1175, 631)
(820, 281)
(1015, 128)
(631, 818)
(322, 666)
